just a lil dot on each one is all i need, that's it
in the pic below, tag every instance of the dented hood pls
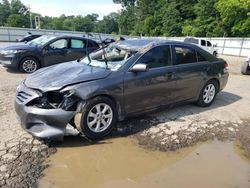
(58, 76)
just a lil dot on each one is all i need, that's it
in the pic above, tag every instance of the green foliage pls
(201, 18)
(15, 20)
(109, 24)
(235, 16)
(4, 11)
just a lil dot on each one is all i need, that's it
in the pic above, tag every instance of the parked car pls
(204, 44)
(245, 68)
(124, 79)
(45, 51)
(28, 37)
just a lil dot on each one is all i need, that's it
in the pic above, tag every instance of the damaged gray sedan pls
(124, 79)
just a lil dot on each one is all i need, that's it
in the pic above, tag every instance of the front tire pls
(208, 94)
(29, 65)
(98, 118)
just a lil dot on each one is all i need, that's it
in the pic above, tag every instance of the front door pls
(56, 52)
(153, 88)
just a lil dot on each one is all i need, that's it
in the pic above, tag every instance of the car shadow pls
(13, 71)
(140, 123)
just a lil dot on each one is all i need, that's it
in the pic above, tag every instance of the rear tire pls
(98, 118)
(245, 69)
(29, 65)
(208, 93)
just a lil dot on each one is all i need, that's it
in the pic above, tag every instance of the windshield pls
(113, 55)
(41, 40)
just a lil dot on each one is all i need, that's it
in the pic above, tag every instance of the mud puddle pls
(122, 163)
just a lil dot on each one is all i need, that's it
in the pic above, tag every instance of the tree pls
(15, 20)
(235, 16)
(68, 24)
(109, 24)
(207, 21)
(125, 3)
(17, 6)
(4, 12)
(171, 20)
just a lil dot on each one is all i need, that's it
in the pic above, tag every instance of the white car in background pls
(205, 44)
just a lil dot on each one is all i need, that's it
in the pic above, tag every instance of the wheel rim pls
(29, 66)
(99, 117)
(209, 93)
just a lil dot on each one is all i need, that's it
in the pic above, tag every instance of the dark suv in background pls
(45, 51)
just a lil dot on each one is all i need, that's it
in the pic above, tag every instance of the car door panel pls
(146, 90)
(53, 55)
(77, 49)
(190, 76)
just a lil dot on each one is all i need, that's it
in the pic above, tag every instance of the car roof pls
(142, 44)
(68, 36)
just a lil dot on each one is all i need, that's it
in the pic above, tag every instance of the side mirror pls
(139, 68)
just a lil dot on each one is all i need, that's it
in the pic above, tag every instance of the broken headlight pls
(56, 99)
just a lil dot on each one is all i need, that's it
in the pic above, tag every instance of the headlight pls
(55, 99)
(9, 52)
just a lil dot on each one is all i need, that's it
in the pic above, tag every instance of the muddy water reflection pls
(121, 163)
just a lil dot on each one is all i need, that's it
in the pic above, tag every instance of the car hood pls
(19, 46)
(58, 76)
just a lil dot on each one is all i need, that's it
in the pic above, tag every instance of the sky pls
(72, 7)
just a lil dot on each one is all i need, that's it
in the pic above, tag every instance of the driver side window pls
(159, 56)
(59, 44)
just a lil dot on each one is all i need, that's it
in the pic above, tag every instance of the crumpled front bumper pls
(42, 123)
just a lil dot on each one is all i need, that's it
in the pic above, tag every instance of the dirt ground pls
(22, 157)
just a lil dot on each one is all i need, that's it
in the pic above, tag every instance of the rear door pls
(146, 90)
(191, 71)
(77, 49)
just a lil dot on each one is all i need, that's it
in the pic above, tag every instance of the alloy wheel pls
(100, 117)
(209, 93)
(29, 66)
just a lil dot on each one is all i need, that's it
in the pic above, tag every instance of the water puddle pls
(122, 163)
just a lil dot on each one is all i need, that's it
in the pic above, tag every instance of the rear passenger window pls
(159, 56)
(203, 43)
(185, 55)
(75, 43)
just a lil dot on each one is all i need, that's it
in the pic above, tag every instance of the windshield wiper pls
(104, 52)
